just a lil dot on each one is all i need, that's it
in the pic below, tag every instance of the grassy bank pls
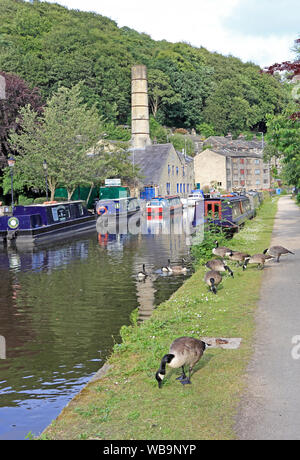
(127, 404)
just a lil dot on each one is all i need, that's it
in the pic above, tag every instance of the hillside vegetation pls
(50, 46)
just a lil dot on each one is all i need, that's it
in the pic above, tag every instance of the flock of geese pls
(213, 277)
(187, 351)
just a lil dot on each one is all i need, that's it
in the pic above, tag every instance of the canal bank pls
(126, 402)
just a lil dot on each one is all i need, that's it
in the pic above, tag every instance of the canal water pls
(61, 309)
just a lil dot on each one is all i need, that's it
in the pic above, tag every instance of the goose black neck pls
(165, 360)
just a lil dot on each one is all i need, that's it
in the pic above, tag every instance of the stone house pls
(232, 164)
(162, 166)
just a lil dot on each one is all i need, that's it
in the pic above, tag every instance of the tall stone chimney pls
(140, 130)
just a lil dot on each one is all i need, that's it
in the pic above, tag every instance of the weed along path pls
(126, 402)
(270, 407)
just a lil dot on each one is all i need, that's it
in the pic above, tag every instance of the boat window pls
(60, 213)
(35, 221)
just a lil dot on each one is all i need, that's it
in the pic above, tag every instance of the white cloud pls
(199, 22)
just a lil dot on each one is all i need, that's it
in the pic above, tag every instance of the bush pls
(40, 200)
(298, 198)
(203, 252)
(24, 200)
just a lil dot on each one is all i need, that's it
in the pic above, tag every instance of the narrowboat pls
(163, 206)
(40, 222)
(118, 207)
(255, 200)
(228, 212)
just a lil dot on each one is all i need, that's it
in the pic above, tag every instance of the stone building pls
(162, 166)
(232, 164)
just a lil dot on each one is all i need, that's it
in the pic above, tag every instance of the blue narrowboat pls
(117, 207)
(228, 212)
(49, 220)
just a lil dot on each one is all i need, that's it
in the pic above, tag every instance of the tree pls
(62, 136)
(17, 95)
(160, 91)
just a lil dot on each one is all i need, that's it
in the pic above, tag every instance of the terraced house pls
(232, 164)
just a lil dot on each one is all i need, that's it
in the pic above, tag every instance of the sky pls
(260, 31)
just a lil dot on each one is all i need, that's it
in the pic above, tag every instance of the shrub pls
(24, 200)
(298, 198)
(40, 200)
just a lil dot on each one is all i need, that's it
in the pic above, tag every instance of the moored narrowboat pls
(118, 207)
(229, 211)
(40, 222)
(163, 206)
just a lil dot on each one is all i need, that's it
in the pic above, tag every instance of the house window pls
(228, 171)
(183, 188)
(235, 171)
(172, 170)
(180, 188)
(169, 169)
(248, 172)
(257, 182)
(242, 161)
(265, 171)
(219, 184)
(257, 171)
(177, 188)
(183, 173)
(187, 188)
(257, 162)
(168, 188)
(242, 182)
(242, 171)
(265, 181)
(176, 170)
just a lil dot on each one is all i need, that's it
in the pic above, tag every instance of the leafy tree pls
(205, 130)
(17, 95)
(160, 91)
(62, 137)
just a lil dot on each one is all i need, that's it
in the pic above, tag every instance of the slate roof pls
(235, 148)
(151, 160)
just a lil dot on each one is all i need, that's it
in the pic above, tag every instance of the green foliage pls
(283, 138)
(117, 133)
(203, 252)
(157, 131)
(205, 130)
(181, 143)
(51, 46)
(298, 198)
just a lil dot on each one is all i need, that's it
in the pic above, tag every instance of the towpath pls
(270, 408)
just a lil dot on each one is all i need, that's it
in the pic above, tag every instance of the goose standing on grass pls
(258, 259)
(239, 257)
(213, 279)
(183, 351)
(142, 274)
(218, 265)
(221, 251)
(277, 251)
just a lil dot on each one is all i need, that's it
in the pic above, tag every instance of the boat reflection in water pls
(62, 307)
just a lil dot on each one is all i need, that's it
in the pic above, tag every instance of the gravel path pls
(270, 408)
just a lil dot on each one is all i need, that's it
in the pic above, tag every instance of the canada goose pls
(213, 278)
(218, 265)
(184, 350)
(166, 268)
(142, 274)
(258, 259)
(179, 268)
(238, 256)
(277, 251)
(221, 251)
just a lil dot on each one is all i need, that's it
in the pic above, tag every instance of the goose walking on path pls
(277, 251)
(183, 351)
(258, 259)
